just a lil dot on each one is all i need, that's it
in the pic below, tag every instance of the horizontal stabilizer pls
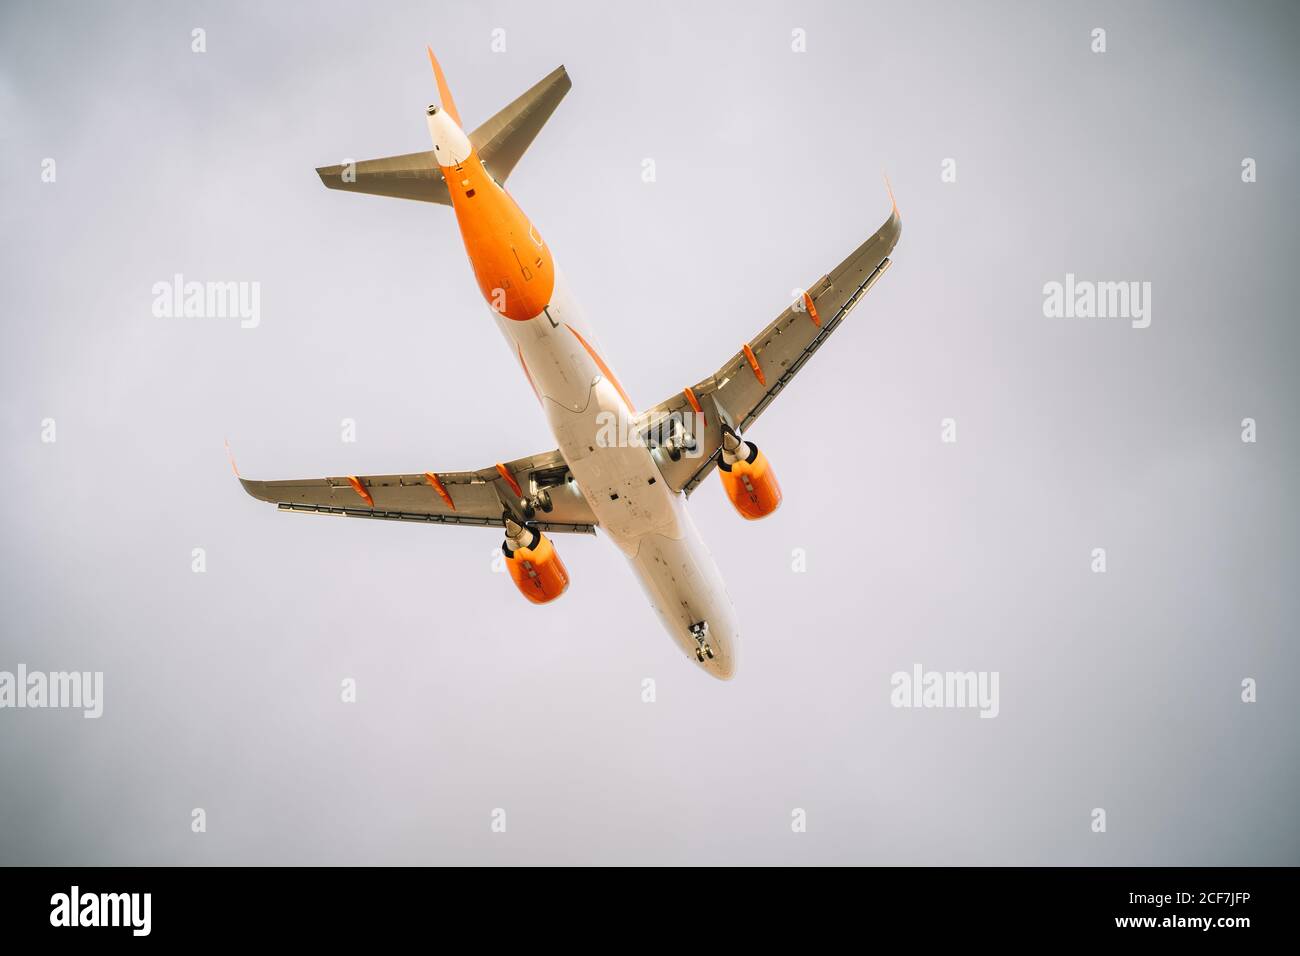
(413, 176)
(500, 142)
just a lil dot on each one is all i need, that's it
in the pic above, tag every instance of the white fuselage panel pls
(645, 518)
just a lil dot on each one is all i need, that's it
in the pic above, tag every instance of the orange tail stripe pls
(753, 364)
(812, 310)
(604, 369)
(695, 403)
(360, 489)
(504, 472)
(442, 492)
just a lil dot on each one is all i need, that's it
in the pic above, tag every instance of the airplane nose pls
(722, 664)
(713, 646)
(723, 667)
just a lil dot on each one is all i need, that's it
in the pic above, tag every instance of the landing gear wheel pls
(700, 631)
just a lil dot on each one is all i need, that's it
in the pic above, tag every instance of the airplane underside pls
(622, 483)
(614, 468)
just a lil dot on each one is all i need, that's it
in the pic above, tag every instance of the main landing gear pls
(703, 650)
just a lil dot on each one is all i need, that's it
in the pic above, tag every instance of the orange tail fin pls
(444, 92)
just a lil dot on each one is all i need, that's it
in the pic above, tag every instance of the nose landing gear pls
(703, 650)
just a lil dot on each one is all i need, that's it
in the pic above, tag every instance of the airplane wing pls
(749, 381)
(447, 497)
(500, 142)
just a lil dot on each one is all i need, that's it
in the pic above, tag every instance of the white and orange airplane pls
(627, 472)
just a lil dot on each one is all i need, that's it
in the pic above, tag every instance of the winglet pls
(893, 202)
(444, 92)
(231, 455)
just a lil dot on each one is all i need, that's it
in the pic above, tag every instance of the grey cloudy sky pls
(1118, 690)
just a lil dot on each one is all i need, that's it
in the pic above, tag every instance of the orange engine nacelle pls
(535, 566)
(750, 482)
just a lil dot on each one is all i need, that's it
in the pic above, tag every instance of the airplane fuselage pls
(580, 394)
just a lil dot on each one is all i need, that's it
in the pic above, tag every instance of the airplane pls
(632, 482)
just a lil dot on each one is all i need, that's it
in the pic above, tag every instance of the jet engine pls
(534, 563)
(747, 477)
